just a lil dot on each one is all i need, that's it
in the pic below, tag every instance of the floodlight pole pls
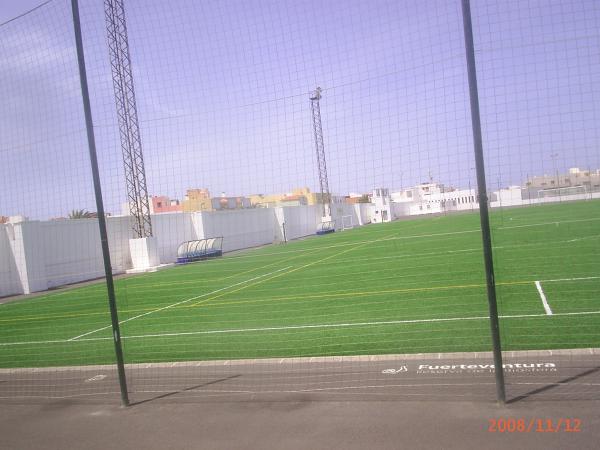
(99, 204)
(315, 107)
(483, 202)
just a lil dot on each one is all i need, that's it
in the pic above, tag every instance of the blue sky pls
(222, 92)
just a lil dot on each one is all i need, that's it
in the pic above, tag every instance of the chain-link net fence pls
(292, 202)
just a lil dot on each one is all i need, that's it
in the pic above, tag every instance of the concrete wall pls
(170, 230)
(72, 250)
(10, 282)
(300, 221)
(500, 199)
(35, 256)
(362, 211)
(29, 253)
(511, 200)
(242, 228)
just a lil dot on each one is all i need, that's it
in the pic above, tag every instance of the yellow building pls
(311, 197)
(197, 200)
(299, 196)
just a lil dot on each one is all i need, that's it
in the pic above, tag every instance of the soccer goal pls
(347, 223)
(562, 192)
(200, 249)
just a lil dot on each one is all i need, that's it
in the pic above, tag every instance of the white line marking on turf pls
(354, 243)
(180, 303)
(303, 327)
(571, 279)
(548, 223)
(339, 325)
(300, 327)
(61, 341)
(543, 297)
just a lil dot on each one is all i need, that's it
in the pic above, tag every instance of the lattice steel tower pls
(315, 96)
(131, 144)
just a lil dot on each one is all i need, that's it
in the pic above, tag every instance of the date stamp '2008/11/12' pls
(534, 425)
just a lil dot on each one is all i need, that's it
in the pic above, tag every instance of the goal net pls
(347, 223)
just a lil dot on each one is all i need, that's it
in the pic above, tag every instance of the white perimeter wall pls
(300, 221)
(35, 256)
(242, 228)
(170, 230)
(10, 283)
(72, 250)
(360, 213)
(513, 201)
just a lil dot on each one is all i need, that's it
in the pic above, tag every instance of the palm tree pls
(82, 214)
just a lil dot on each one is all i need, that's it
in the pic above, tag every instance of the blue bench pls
(197, 250)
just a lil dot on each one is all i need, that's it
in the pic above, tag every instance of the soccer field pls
(412, 286)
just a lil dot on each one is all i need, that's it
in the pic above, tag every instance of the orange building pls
(163, 204)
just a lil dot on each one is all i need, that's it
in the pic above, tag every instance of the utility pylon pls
(131, 143)
(315, 107)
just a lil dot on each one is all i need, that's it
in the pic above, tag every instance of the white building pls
(381, 206)
(432, 198)
(510, 196)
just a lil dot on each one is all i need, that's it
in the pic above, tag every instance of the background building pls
(162, 204)
(197, 200)
(382, 210)
(558, 184)
(225, 203)
(432, 198)
(298, 197)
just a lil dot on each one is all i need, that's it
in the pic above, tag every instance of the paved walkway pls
(428, 401)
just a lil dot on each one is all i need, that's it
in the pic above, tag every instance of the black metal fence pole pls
(99, 204)
(483, 201)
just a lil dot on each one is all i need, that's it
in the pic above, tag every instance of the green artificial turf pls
(411, 286)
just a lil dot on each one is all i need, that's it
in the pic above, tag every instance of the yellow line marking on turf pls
(285, 273)
(125, 311)
(315, 296)
(172, 305)
(377, 292)
(350, 294)
(237, 274)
